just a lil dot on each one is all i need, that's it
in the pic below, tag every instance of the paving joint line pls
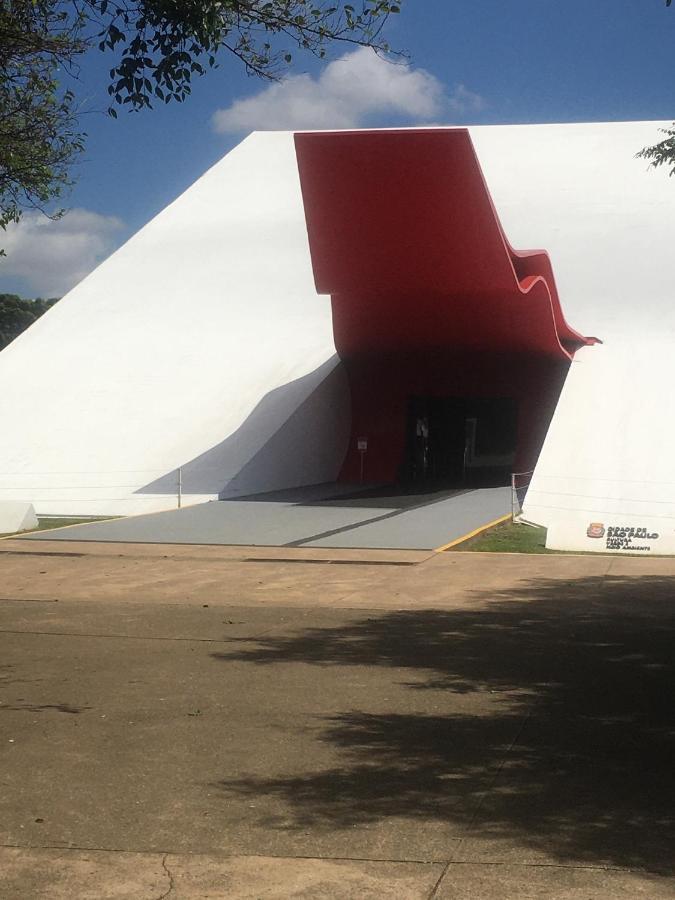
(337, 562)
(365, 859)
(390, 515)
(168, 853)
(44, 553)
(543, 865)
(126, 637)
(302, 542)
(25, 600)
(434, 890)
(254, 603)
(479, 805)
(223, 559)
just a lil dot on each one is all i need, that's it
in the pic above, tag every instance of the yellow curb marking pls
(20, 534)
(471, 534)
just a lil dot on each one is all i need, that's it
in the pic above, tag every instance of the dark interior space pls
(460, 441)
(448, 417)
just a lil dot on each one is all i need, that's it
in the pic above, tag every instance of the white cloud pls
(462, 100)
(52, 256)
(349, 92)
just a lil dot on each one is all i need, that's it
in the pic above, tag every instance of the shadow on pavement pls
(42, 707)
(568, 747)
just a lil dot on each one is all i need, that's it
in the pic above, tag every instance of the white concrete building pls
(203, 345)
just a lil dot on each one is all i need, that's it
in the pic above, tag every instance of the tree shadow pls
(569, 744)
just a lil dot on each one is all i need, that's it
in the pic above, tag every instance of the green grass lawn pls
(514, 538)
(508, 538)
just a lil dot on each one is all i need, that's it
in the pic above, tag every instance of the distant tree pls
(17, 314)
(158, 46)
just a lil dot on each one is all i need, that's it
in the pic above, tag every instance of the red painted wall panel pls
(428, 297)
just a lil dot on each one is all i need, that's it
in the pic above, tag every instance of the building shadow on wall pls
(297, 434)
(570, 749)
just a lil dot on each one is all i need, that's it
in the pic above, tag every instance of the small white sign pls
(362, 444)
(613, 534)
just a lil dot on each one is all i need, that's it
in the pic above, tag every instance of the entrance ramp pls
(430, 525)
(329, 516)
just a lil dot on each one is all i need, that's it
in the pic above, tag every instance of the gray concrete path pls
(204, 722)
(316, 519)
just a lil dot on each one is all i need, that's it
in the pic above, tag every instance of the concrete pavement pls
(226, 722)
(310, 517)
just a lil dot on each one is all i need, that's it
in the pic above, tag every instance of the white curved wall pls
(168, 353)
(608, 223)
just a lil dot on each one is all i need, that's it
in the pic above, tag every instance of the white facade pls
(607, 222)
(192, 346)
(203, 344)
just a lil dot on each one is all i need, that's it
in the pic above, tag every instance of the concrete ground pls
(208, 722)
(319, 516)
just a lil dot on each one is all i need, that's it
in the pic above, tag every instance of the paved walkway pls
(223, 722)
(314, 518)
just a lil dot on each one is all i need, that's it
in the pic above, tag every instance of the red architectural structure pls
(441, 325)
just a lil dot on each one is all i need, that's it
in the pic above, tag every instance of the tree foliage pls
(38, 128)
(157, 47)
(662, 153)
(17, 314)
(163, 43)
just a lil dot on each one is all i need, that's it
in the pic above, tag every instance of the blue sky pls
(470, 61)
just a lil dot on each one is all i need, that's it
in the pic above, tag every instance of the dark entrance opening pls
(455, 441)
(485, 414)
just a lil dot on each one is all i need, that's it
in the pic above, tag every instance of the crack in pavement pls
(476, 813)
(169, 876)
